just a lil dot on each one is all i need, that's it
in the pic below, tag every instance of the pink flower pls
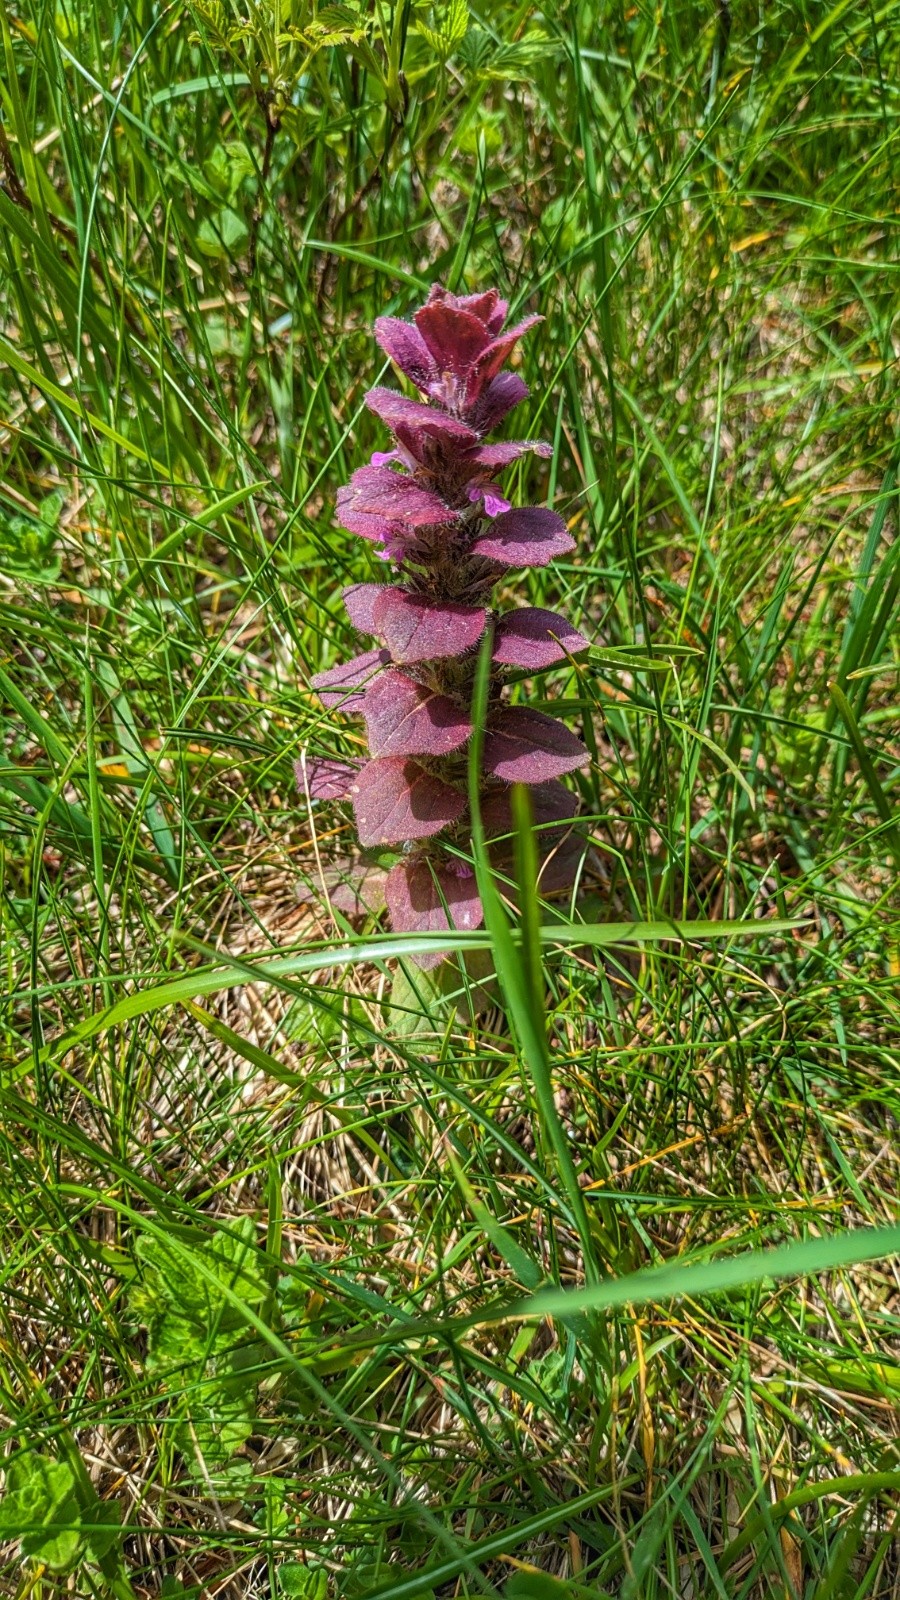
(494, 502)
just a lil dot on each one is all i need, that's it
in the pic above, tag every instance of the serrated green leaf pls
(447, 27)
(40, 1509)
(198, 1339)
(476, 50)
(516, 60)
(177, 1286)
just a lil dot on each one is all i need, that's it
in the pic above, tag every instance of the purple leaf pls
(404, 718)
(528, 638)
(407, 349)
(339, 686)
(523, 746)
(393, 497)
(499, 397)
(396, 799)
(455, 338)
(562, 848)
(354, 887)
(361, 892)
(411, 419)
(487, 307)
(559, 866)
(551, 802)
(419, 630)
(493, 317)
(527, 537)
(491, 359)
(421, 892)
(325, 779)
(360, 601)
(495, 456)
(378, 529)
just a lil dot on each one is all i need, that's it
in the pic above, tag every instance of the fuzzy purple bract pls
(436, 510)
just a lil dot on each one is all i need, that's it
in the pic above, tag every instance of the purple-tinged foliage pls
(434, 504)
(415, 629)
(501, 394)
(523, 746)
(551, 802)
(360, 601)
(419, 426)
(495, 456)
(535, 638)
(408, 351)
(396, 799)
(423, 890)
(406, 718)
(380, 504)
(323, 779)
(530, 536)
(344, 686)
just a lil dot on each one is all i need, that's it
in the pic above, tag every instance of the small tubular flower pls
(434, 505)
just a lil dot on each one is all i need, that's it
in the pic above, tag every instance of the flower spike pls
(434, 503)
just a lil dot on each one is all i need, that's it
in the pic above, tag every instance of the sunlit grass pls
(705, 218)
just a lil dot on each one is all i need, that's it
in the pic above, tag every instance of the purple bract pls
(434, 504)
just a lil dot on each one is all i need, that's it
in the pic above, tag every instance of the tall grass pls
(314, 1278)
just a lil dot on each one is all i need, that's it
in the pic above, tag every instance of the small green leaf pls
(506, 62)
(447, 28)
(306, 1583)
(536, 1586)
(226, 169)
(27, 543)
(40, 1509)
(417, 1004)
(101, 1528)
(223, 236)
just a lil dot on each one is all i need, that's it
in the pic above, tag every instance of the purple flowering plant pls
(434, 507)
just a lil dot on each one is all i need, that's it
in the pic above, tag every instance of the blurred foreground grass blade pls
(722, 1274)
(530, 965)
(522, 982)
(192, 984)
